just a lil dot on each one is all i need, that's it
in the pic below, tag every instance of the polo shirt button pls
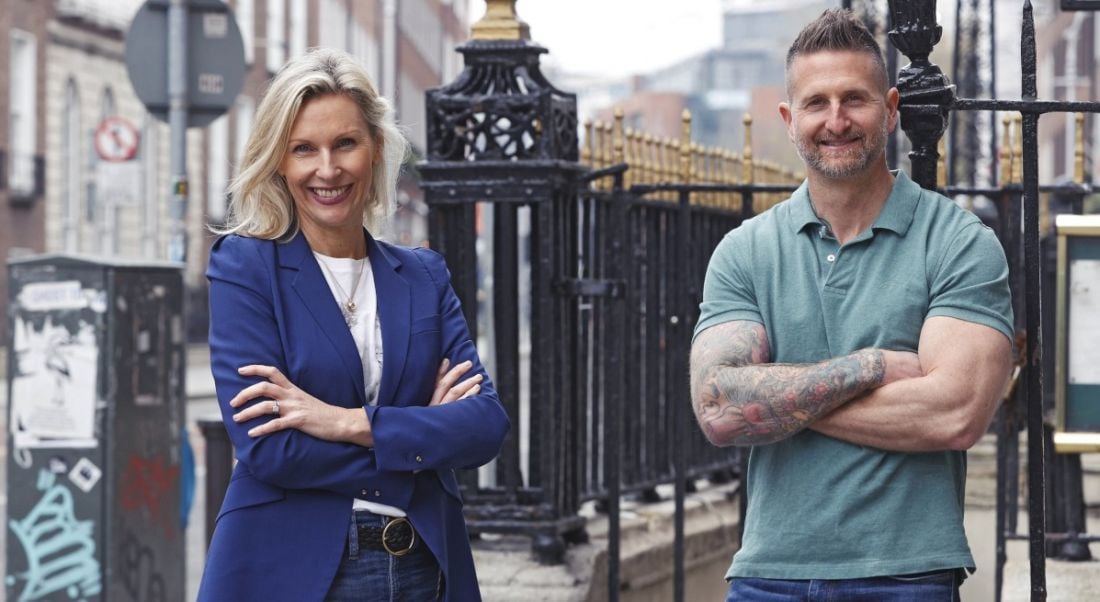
(364, 492)
(830, 258)
(419, 459)
(377, 493)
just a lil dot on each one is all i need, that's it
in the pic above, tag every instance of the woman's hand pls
(446, 390)
(297, 410)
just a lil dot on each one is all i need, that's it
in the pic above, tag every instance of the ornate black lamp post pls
(501, 137)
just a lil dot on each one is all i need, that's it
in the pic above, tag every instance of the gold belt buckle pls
(386, 530)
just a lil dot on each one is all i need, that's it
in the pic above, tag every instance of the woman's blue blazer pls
(284, 522)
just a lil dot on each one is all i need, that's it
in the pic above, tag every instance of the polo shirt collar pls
(896, 215)
(901, 205)
(802, 210)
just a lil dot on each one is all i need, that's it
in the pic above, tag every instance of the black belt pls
(397, 537)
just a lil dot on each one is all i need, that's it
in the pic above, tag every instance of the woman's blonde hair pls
(261, 205)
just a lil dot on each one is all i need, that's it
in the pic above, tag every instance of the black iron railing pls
(926, 96)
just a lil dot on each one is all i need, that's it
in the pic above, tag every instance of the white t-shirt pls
(366, 330)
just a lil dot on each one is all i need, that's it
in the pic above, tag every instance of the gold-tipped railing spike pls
(636, 160)
(941, 164)
(587, 158)
(1079, 149)
(661, 164)
(617, 144)
(649, 162)
(693, 162)
(603, 139)
(746, 151)
(1005, 154)
(608, 144)
(720, 176)
(714, 174)
(674, 167)
(500, 23)
(1018, 150)
(684, 145)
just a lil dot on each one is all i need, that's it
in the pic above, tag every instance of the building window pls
(217, 168)
(276, 34)
(22, 114)
(70, 170)
(299, 27)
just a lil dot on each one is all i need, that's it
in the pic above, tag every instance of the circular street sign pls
(116, 139)
(215, 59)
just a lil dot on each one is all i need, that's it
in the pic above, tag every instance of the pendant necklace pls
(348, 307)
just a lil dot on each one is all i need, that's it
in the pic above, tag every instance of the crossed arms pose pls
(942, 397)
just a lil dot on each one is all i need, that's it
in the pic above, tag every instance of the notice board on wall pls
(1077, 361)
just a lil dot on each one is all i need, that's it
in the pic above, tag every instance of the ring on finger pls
(274, 407)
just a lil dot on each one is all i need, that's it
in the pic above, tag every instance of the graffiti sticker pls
(85, 474)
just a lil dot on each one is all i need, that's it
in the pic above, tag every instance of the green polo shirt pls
(821, 508)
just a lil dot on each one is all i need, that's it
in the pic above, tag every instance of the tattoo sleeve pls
(741, 399)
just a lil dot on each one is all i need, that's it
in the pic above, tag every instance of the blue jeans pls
(378, 576)
(933, 586)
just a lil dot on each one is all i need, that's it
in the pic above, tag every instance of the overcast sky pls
(618, 37)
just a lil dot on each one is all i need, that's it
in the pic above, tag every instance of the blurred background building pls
(64, 73)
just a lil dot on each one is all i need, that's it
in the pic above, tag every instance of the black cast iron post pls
(926, 94)
(1033, 316)
(502, 145)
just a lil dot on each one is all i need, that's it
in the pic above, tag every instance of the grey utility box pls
(95, 411)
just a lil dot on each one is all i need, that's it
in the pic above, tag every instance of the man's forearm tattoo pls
(740, 399)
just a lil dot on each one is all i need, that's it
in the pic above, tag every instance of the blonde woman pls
(337, 359)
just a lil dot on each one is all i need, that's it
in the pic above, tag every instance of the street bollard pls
(219, 467)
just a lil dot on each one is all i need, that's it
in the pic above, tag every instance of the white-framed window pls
(299, 27)
(276, 34)
(245, 108)
(70, 170)
(246, 19)
(217, 168)
(21, 113)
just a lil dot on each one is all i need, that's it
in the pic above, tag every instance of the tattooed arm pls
(949, 406)
(741, 399)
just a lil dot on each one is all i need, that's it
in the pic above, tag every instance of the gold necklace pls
(348, 308)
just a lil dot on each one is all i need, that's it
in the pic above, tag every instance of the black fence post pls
(219, 468)
(926, 94)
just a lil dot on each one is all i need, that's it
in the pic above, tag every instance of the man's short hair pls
(837, 29)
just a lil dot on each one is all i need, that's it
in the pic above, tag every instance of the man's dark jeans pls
(936, 586)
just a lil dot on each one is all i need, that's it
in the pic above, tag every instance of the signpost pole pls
(177, 121)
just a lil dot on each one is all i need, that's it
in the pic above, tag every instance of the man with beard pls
(856, 336)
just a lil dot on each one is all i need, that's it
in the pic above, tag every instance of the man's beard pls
(849, 163)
